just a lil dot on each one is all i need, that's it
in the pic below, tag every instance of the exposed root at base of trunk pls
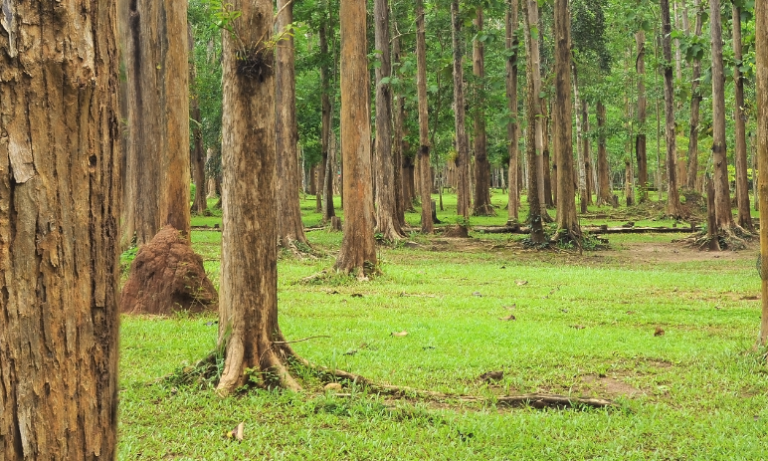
(734, 238)
(484, 210)
(299, 249)
(533, 400)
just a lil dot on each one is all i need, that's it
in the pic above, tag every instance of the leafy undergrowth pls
(669, 337)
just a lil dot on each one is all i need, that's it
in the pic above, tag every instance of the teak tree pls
(641, 140)
(761, 57)
(512, 45)
(462, 146)
(425, 171)
(673, 197)
(740, 117)
(248, 326)
(198, 157)
(358, 248)
(482, 204)
(696, 97)
(59, 212)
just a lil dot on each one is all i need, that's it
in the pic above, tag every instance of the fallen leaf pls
(357, 295)
(492, 376)
(630, 312)
(521, 282)
(237, 433)
(564, 311)
(351, 352)
(478, 294)
(332, 387)
(578, 327)
(509, 308)
(507, 319)
(401, 334)
(659, 332)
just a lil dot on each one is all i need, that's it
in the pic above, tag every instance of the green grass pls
(697, 392)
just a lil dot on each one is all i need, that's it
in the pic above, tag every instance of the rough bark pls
(642, 105)
(740, 116)
(673, 197)
(248, 326)
(723, 212)
(397, 125)
(289, 226)
(325, 131)
(200, 203)
(693, 135)
(562, 120)
(157, 160)
(603, 169)
(358, 249)
(425, 170)
(59, 234)
(761, 56)
(462, 147)
(512, 44)
(533, 144)
(580, 112)
(482, 204)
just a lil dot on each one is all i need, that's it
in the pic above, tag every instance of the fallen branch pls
(300, 340)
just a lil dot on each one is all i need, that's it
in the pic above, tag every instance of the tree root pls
(734, 238)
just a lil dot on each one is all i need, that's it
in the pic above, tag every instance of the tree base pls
(734, 238)
(484, 210)
(167, 276)
(457, 231)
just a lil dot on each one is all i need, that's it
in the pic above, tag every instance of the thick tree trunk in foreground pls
(533, 143)
(482, 204)
(59, 212)
(603, 169)
(358, 249)
(693, 135)
(462, 147)
(157, 162)
(290, 228)
(562, 120)
(512, 44)
(761, 55)
(248, 324)
(200, 203)
(642, 104)
(427, 226)
(740, 116)
(723, 212)
(673, 196)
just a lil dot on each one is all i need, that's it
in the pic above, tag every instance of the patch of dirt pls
(167, 276)
(609, 386)
(653, 253)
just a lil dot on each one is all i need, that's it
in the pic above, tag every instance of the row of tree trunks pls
(59, 228)
(289, 224)
(462, 147)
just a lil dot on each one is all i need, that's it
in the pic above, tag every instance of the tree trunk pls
(547, 189)
(59, 217)
(693, 136)
(290, 226)
(642, 104)
(157, 161)
(673, 197)
(580, 111)
(358, 249)
(761, 57)
(397, 123)
(462, 148)
(200, 203)
(723, 212)
(325, 129)
(590, 187)
(248, 326)
(387, 221)
(513, 48)
(603, 169)
(482, 204)
(533, 142)
(740, 116)
(427, 226)
(628, 183)
(562, 120)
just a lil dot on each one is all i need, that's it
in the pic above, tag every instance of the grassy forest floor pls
(664, 330)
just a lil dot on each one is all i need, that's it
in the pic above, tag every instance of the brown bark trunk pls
(482, 204)
(59, 237)
(512, 43)
(590, 187)
(673, 197)
(642, 104)
(313, 180)
(693, 136)
(548, 202)
(427, 226)
(200, 203)
(358, 249)
(603, 169)
(157, 161)
(326, 189)
(397, 124)
(387, 221)
(290, 227)
(740, 116)
(533, 144)
(462, 148)
(719, 150)
(628, 183)
(761, 57)
(562, 120)
(248, 325)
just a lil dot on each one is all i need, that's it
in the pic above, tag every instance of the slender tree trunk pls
(693, 136)
(678, 50)
(740, 116)
(290, 227)
(603, 169)
(586, 152)
(582, 176)
(534, 133)
(325, 130)
(157, 161)
(397, 124)
(642, 104)
(59, 216)
(723, 212)
(200, 204)
(761, 57)
(548, 202)
(673, 197)
(387, 221)
(482, 205)
(427, 226)
(358, 249)
(462, 161)
(562, 120)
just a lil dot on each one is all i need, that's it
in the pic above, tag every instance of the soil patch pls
(653, 253)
